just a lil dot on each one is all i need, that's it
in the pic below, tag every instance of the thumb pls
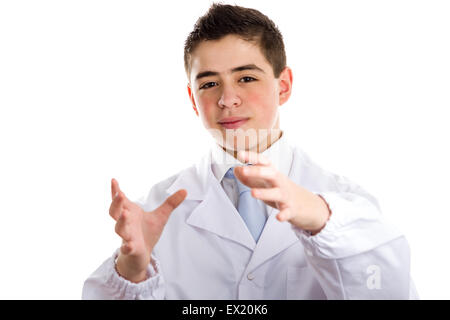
(114, 188)
(171, 203)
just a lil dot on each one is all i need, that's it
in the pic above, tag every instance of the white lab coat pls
(207, 252)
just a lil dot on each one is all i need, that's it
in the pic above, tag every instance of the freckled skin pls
(248, 93)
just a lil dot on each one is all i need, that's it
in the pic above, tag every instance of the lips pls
(232, 122)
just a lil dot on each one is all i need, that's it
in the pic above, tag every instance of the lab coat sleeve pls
(106, 284)
(358, 254)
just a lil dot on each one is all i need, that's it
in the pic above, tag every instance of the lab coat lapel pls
(276, 237)
(215, 212)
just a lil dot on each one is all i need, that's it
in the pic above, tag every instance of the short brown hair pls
(249, 24)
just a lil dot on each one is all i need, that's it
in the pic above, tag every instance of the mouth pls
(232, 122)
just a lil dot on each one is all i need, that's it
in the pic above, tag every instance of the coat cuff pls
(355, 226)
(134, 291)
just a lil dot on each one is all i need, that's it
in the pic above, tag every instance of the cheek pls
(264, 105)
(207, 108)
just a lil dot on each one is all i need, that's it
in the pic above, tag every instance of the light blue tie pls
(250, 209)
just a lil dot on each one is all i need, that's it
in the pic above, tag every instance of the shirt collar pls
(279, 153)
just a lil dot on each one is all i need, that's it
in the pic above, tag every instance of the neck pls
(259, 147)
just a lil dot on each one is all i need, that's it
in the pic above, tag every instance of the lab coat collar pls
(215, 212)
(196, 180)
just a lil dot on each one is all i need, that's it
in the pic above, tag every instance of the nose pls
(229, 97)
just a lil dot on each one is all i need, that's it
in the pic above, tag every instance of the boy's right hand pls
(139, 230)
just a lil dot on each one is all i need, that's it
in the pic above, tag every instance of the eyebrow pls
(237, 69)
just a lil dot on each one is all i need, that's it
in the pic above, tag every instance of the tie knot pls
(241, 187)
(230, 173)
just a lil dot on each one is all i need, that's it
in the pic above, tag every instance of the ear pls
(191, 97)
(285, 85)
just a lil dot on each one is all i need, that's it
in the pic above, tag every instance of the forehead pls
(225, 54)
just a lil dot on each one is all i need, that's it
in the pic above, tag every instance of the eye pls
(247, 79)
(208, 85)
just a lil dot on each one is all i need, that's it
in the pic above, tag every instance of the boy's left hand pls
(297, 205)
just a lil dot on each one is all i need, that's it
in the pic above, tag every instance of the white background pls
(91, 90)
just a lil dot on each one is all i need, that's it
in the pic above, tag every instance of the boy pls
(256, 218)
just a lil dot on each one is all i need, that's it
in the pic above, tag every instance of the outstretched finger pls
(250, 175)
(171, 203)
(117, 205)
(253, 158)
(284, 215)
(122, 227)
(114, 188)
(127, 247)
(269, 194)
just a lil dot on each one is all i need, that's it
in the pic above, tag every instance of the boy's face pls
(231, 80)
